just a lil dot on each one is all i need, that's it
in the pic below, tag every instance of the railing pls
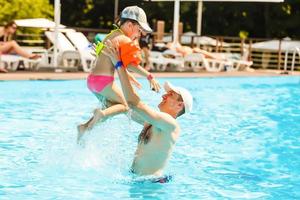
(297, 50)
(31, 39)
(262, 59)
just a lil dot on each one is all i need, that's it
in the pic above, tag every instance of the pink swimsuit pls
(96, 83)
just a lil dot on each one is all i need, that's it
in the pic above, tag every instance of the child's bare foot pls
(80, 131)
(98, 114)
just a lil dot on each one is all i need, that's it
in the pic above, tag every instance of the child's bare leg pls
(108, 112)
(83, 127)
(98, 116)
(115, 98)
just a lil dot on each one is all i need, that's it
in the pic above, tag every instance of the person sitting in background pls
(208, 54)
(160, 47)
(184, 50)
(144, 43)
(9, 46)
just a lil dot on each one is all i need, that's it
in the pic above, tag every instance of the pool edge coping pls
(14, 76)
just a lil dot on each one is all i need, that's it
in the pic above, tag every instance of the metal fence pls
(262, 59)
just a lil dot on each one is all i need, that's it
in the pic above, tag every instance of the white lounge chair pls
(84, 47)
(214, 65)
(193, 61)
(174, 60)
(12, 62)
(157, 61)
(238, 63)
(68, 56)
(225, 61)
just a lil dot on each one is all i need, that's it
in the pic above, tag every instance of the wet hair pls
(11, 23)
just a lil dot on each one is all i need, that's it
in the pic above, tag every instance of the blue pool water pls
(242, 141)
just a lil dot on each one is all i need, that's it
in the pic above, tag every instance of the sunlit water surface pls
(242, 141)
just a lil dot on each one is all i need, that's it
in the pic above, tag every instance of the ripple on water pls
(240, 142)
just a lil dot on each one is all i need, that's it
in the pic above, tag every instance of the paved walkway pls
(23, 75)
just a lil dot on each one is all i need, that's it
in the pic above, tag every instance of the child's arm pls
(133, 80)
(154, 85)
(130, 50)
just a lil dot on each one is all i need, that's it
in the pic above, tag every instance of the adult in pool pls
(161, 129)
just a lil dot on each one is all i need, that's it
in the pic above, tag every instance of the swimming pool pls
(242, 141)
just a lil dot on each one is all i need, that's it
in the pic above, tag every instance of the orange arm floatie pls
(130, 54)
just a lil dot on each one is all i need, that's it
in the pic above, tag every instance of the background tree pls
(21, 9)
(227, 19)
(253, 19)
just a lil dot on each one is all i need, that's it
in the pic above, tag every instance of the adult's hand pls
(112, 51)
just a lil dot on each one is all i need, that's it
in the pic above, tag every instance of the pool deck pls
(27, 75)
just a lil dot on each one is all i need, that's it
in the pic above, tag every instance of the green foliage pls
(228, 19)
(24, 9)
(87, 13)
(89, 6)
(243, 34)
(21, 9)
(265, 20)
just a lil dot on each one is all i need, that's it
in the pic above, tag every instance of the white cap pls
(138, 14)
(184, 93)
